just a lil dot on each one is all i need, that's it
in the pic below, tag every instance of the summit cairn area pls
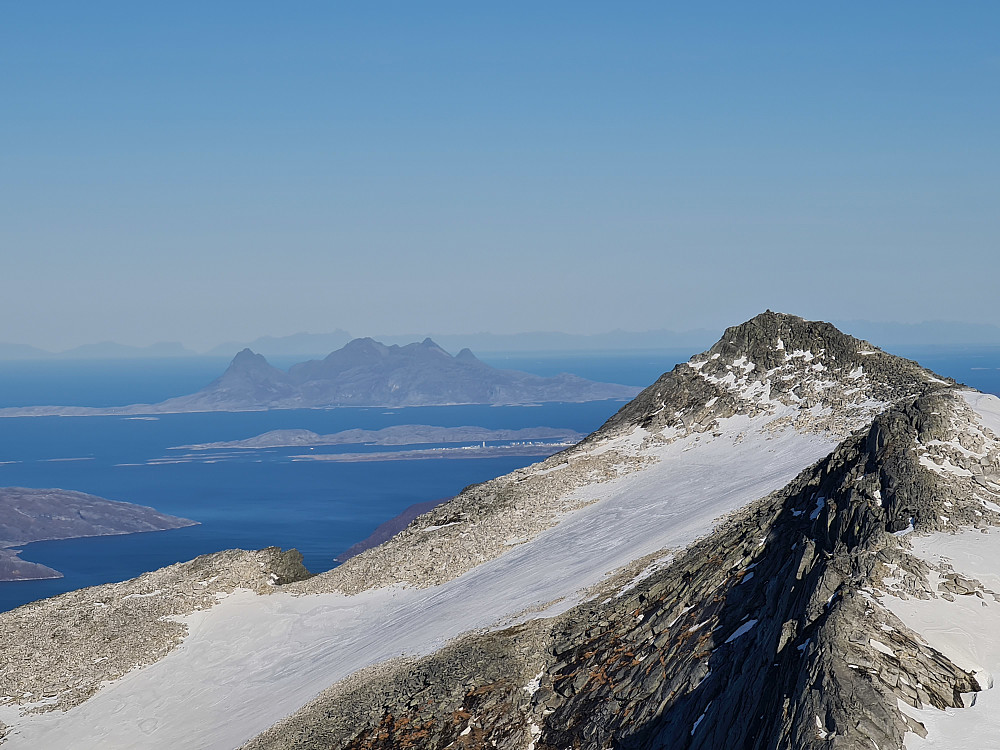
(789, 541)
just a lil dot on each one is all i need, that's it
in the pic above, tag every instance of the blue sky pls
(211, 171)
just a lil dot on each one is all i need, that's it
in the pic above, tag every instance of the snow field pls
(251, 660)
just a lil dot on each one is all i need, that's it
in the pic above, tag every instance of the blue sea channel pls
(254, 499)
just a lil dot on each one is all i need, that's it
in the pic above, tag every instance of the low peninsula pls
(35, 515)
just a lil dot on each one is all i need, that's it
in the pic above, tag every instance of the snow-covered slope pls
(961, 614)
(747, 419)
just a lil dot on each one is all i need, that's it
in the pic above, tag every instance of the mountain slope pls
(712, 568)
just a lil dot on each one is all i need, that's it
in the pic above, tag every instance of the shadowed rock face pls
(367, 373)
(385, 531)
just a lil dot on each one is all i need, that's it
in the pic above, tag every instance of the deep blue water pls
(259, 498)
(247, 499)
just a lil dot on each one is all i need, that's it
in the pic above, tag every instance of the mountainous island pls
(363, 373)
(790, 541)
(34, 515)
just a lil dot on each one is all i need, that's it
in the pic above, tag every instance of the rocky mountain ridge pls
(723, 564)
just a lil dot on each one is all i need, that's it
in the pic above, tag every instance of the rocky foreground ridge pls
(726, 552)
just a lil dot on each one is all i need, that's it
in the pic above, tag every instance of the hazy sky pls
(210, 171)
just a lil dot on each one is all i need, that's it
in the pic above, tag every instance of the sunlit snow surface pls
(966, 630)
(252, 660)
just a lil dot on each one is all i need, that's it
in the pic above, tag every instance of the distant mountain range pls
(364, 372)
(935, 332)
(103, 350)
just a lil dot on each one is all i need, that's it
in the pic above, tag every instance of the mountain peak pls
(805, 371)
(770, 338)
(248, 358)
(366, 342)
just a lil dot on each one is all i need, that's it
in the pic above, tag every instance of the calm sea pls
(255, 499)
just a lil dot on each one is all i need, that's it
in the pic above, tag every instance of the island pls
(539, 449)
(407, 434)
(363, 372)
(35, 515)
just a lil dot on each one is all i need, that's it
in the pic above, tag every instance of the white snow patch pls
(536, 732)
(683, 612)
(945, 467)
(820, 502)
(141, 596)
(536, 682)
(965, 631)
(441, 526)
(879, 646)
(823, 734)
(904, 532)
(694, 727)
(741, 630)
(644, 574)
